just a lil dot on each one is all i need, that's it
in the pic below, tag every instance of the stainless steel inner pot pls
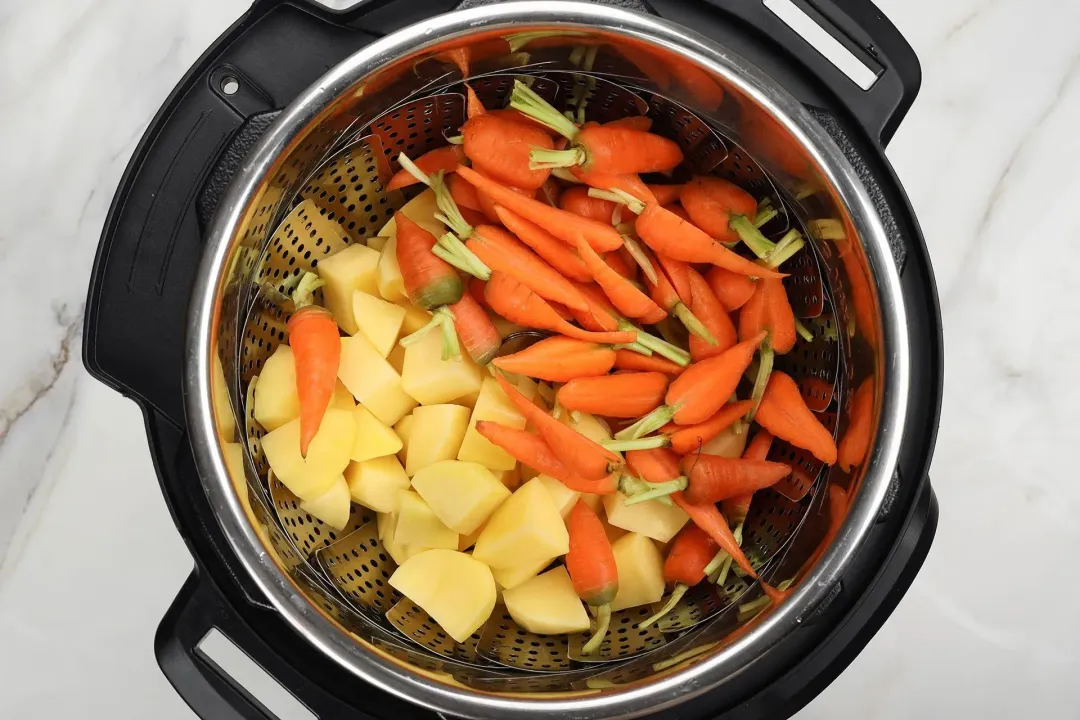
(316, 177)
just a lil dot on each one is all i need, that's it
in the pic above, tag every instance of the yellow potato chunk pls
(342, 398)
(223, 413)
(379, 321)
(421, 210)
(377, 242)
(377, 483)
(650, 518)
(565, 498)
(373, 437)
(435, 434)
(327, 456)
(396, 358)
(432, 380)
(588, 425)
(526, 529)
(467, 541)
(415, 317)
(728, 443)
(512, 577)
(462, 494)
(372, 381)
(387, 525)
(547, 604)
(388, 273)
(418, 526)
(641, 571)
(509, 478)
(491, 404)
(333, 507)
(276, 401)
(346, 271)
(403, 428)
(456, 590)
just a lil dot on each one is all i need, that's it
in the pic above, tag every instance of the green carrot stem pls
(441, 252)
(647, 443)
(449, 214)
(649, 423)
(676, 595)
(413, 169)
(525, 100)
(804, 332)
(634, 248)
(782, 255)
(456, 140)
(603, 620)
(765, 215)
(443, 319)
(635, 347)
(761, 382)
(827, 229)
(751, 236)
(576, 55)
(541, 159)
(619, 196)
(453, 244)
(517, 41)
(304, 294)
(656, 491)
(565, 175)
(692, 323)
(752, 608)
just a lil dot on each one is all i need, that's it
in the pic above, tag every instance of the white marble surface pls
(89, 559)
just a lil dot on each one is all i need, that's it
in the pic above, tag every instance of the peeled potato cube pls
(351, 268)
(456, 590)
(467, 541)
(377, 242)
(512, 577)
(462, 494)
(373, 437)
(526, 529)
(565, 498)
(432, 380)
(493, 405)
(276, 401)
(728, 443)
(388, 273)
(547, 604)
(377, 483)
(372, 381)
(419, 527)
(588, 425)
(327, 456)
(435, 434)
(403, 428)
(421, 210)
(342, 398)
(333, 507)
(641, 571)
(396, 358)
(387, 524)
(415, 318)
(223, 412)
(650, 518)
(379, 321)
(511, 479)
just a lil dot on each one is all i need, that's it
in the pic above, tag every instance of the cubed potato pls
(327, 456)
(432, 380)
(421, 210)
(387, 525)
(377, 483)
(372, 381)
(650, 518)
(276, 401)
(641, 571)
(565, 498)
(462, 494)
(391, 283)
(728, 443)
(415, 318)
(373, 437)
(350, 269)
(377, 242)
(526, 529)
(396, 358)
(588, 425)
(467, 541)
(435, 434)
(223, 412)
(547, 604)
(613, 533)
(492, 404)
(511, 479)
(418, 526)
(403, 428)
(333, 507)
(378, 320)
(511, 577)
(342, 398)
(456, 590)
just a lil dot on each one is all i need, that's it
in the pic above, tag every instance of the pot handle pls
(200, 608)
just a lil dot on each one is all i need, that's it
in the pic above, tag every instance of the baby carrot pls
(663, 294)
(630, 184)
(464, 194)
(624, 396)
(557, 254)
(476, 289)
(559, 359)
(531, 450)
(732, 289)
(577, 200)
(633, 122)
(712, 203)
(475, 329)
(678, 274)
(430, 282)
(500, 148)
(708, 310)
(684, 567)
(767, 311)
(856, 441)
(591, 564)
(627, 299)
(563, 225)
(316, 346)
(736, 508)
(666, 194)
(473, 106)
(515, 116)
(577, 452)
(714, 478)
(630, 360)
(602, 315)
(620, 262)
(520, 305)
(689, 438)
(784, 414)
(446, 158)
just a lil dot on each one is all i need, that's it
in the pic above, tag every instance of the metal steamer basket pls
(313, 605)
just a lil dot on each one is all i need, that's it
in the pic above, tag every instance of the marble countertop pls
(89, 558)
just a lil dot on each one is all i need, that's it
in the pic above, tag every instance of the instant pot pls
(273, 151)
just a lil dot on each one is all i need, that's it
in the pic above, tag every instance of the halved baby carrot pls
(531, 450)
(501, 149)
(627, 299)
(625, 395)
(557, 253)
(731, 288)
(707, 309)
(714, 478)
(856, 441)
(784, 413)
(630, 360)
(446, 158)
(559, 359)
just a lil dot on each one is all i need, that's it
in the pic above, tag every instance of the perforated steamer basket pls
(314, 183)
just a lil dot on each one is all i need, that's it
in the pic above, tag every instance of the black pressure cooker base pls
(150, 252)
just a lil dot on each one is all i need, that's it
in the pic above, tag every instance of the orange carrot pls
(732, 289)
(668, 234)
(514, 116)
(622, 263)
(663, 294)
(488, 205)
(473, 106)
(688, 439)
(500, 148)
(626, 395)
(627, 299)
(463, 193)
(562, 311)
(591, 565)
(629, 184)
(665, 194)
(547, 246)
(714, 478)
(446, 158)
(475, 330)
(602, 315)
(476, 289)
(736, 508)
(856, 441)
(502, 252)
(677, 209)
(563, 225)
(642, 123)
(705, 386)
(707, 308)
(577, 452)
(531, 450)
(549, 193)
(678, 274)
(768, 310)
(520, 305)
(577, 200)
(630, 360)
(559, 359)
(459, 56)
(689, 555)
(784, 414)
(711, 203)
(430, 282)
(697, 83)
(316, 346)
